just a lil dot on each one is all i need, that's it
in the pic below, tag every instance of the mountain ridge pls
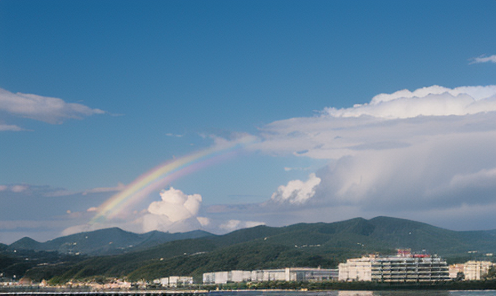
(108, 241)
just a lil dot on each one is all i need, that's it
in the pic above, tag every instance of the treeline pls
(238, 257)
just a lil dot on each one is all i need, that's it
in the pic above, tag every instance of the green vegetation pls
(41, 264)
(109, 241)
(262, 247)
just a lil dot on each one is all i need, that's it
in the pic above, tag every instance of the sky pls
(221, 115)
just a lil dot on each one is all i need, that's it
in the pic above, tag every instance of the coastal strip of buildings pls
(299, 274)
(403, 267)
(471, 270)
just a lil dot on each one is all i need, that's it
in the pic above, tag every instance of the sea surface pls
(356, 293)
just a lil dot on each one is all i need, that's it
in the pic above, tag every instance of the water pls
(356, 293)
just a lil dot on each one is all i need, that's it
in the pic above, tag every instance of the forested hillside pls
(299, 245)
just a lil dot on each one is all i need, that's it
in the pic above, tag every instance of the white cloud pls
(482, 178)
(18, 188)
(176, 205)
(427, 101)
(232, 225)
(174, 135)
(119, 187)
(3, 187)
(296, 191)
(9, 127)
(484, 59)
(204, 221)
(176, 211)
(47, 109)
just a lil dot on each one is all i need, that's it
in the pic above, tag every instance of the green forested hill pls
(109, 241)
(309, 245)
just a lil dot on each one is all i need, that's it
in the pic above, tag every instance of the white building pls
(454, 269)
(219, 277)
(174, 281)
(475, 270)
(238, 276)
(358, 269)
(401, 268)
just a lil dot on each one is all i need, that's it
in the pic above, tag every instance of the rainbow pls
(162, 175)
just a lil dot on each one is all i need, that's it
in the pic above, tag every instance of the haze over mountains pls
(310, 245)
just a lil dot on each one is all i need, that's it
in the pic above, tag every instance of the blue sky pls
(156, 80)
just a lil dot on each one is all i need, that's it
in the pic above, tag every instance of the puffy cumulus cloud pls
(484, 59)
(296, 191)
(404, 154)
(176, 211)
(47, 109)
(176, 205)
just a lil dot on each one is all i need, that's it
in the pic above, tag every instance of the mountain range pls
(261, 247)
(110, 241)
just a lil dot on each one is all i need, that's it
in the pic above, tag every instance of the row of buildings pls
(174, 281)
(471, 270)
(285, 274)
(403, 267)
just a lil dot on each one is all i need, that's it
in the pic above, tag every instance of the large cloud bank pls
(423, 154)
(427, 101)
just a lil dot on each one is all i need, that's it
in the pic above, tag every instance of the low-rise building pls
(174, 281)
(267, 275)
(455, 269)
(475, 270)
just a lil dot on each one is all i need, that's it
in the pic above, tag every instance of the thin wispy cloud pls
(46, 109)
(10, 127)
(119, 187)
(483, 59)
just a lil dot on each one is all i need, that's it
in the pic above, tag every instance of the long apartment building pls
(404, 267)
(266, 275)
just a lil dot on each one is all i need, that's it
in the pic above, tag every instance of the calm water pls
(358, 293)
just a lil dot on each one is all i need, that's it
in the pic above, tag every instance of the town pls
(404, 267)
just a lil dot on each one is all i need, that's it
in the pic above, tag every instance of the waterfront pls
(264, 293)
(355, 293)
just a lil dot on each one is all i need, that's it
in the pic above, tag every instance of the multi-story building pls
(358, 269)
(174, 281)
(475, 270)
(285, 274)
(455, 269)
(400, 268)
(219, 277)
